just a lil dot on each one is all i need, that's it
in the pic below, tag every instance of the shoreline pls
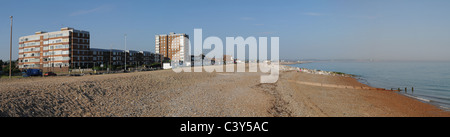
(395, 104)
(426, 101)
(292, 63)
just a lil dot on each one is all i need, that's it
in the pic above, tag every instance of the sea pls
(430, 80)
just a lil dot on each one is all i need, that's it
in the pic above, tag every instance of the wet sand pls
(166, 93)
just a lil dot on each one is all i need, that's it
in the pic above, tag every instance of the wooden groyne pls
(406, 89)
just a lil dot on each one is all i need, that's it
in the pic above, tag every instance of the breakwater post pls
(406, 90)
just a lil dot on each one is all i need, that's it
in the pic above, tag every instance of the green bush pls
(155, 65)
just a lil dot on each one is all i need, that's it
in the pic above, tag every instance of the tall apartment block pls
(55, 51)
(173, 46)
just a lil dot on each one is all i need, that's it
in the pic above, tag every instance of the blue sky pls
(319, 29)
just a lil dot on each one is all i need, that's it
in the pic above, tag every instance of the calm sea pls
(431, 80)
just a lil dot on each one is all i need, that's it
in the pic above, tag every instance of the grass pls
(11, 76)
(342, 73)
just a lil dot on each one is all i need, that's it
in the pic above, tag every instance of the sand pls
(202, 94)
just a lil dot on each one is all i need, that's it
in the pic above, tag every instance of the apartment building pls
(228, 59)
(60, 51)
(173, 46)
(147, 58)
(55, 51)
(116, 57)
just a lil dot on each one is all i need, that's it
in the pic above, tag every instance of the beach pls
(164, 93)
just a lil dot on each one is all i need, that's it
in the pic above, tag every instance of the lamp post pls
(110, 56)
(10, 47)
(125, 52)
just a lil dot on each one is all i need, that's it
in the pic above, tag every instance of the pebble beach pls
(165, 93)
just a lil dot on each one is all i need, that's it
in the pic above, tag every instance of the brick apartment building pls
(69, 48)
(173, 46)
(55, 51)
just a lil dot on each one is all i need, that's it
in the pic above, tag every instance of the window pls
(29, 66)
(30, 39)
(31, 49)
(56, 47)
(31, 60)
(56, 41)
(30, 55)
(56, 65)
(56, 53)
(29, 44)
(56, 35)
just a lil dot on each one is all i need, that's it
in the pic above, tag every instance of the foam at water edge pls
(418, 98)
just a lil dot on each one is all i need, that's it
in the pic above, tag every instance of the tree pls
(14, 68)
(1, 67)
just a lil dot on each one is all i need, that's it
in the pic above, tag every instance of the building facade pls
(173, 46)
(55, 51)
(68, 48)
(115, 57)
(228, 59)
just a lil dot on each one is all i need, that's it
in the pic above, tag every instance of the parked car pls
(32, 72)
(50, 74)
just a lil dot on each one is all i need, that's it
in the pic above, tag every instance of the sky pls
(307, 29)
